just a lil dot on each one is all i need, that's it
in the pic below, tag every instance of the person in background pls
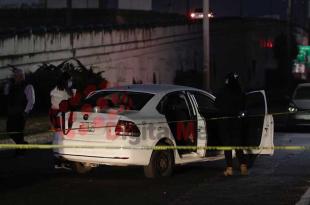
(230, 103)
(60, 97)
(20, 102)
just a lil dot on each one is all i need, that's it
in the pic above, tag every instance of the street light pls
(210, 15)
(200, 15)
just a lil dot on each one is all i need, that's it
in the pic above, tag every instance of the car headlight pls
(292, 109)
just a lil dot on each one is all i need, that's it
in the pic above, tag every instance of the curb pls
(40, 138)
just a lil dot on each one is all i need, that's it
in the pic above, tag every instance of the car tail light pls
(127, 128)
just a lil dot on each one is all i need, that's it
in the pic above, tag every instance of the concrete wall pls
(122, 54)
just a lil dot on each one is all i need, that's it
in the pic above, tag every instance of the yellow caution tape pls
(161, 122)
(218, 148)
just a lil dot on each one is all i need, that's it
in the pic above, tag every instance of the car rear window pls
(120, 100)
(302, 93)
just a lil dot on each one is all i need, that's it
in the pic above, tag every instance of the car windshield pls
(119, 100)
(302, 93)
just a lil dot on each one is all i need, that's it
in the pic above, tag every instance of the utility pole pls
(206, 46)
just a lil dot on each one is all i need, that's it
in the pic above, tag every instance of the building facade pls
(246, 46)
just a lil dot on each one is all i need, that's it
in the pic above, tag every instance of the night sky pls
(259, 8)
(250, 7)
(219, 7)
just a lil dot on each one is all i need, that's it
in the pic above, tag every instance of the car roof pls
(151, 88)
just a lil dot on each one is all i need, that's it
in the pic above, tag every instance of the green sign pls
(303, 56)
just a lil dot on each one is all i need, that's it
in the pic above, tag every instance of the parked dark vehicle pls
(299, 107)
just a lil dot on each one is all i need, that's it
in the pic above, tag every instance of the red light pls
(127, 128)
(269, 44)
(192, 15)
(266, 43)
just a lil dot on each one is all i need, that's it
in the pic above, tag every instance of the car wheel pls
(161, 164)
(81, 168)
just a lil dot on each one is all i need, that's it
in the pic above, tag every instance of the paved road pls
(281, 179)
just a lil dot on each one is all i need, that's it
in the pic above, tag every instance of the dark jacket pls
(230, 103)
(17, 100)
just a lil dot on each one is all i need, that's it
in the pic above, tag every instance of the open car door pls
(259, 126)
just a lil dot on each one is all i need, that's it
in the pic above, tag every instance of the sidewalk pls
(40, 138)
(37, 127)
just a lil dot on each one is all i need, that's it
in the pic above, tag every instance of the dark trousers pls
(230, 131)
(229, 159)
(15, 127)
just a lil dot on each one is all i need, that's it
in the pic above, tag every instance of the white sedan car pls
(121, 126)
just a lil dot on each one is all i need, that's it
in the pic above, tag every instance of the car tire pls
(81, 168)
(161, 164)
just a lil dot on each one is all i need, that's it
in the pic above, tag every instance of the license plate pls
(87, 126)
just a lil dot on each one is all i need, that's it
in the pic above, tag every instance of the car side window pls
(174, 102)
(205, 104)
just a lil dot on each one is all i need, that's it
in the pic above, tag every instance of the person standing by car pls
(20, 102)
(230, 103)
(60, 97)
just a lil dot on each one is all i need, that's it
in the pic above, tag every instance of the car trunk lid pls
(92, 127)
